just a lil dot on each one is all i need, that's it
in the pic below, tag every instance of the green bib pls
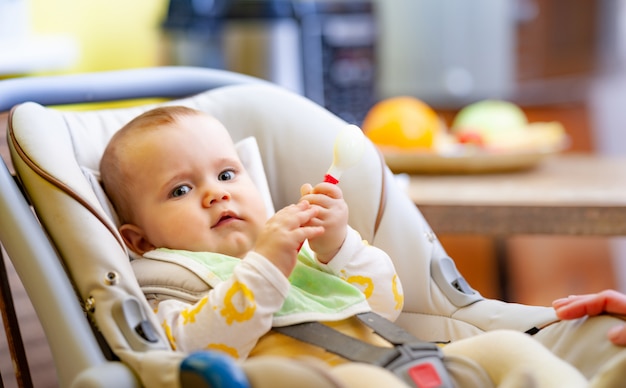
(314, 294)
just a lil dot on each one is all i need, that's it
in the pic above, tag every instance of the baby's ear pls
(135, 239)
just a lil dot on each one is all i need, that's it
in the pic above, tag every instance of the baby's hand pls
(284, 233)
(332, 216)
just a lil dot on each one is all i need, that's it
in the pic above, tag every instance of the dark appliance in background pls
(322, 49)
(339, 57)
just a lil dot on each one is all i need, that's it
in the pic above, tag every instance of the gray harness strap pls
(416, 362)
(387, 329)
(317, 334)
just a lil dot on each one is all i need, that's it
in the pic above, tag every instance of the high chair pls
(61, 234)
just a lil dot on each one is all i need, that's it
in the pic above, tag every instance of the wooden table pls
(569, 194)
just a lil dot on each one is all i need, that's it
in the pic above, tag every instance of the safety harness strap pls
(416, 362)
(388, 330)
(318, 334)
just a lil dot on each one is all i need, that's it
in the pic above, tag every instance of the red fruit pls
(474, 138)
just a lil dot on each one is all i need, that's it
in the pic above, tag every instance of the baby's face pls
(191, 191)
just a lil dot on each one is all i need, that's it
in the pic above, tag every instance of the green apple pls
(491, 119)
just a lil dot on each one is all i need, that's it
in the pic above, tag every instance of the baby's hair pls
(163, 115)
(115, 179)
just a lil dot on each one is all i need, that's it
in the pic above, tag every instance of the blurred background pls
(559, 60)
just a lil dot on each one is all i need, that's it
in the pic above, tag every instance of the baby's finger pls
(305, 189)
(328, 189)
(310, 232)
(321, 200)
(294, 216)
(304, 212)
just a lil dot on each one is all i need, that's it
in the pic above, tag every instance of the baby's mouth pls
(225, 218)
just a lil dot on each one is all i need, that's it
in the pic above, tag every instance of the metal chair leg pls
(12, 330)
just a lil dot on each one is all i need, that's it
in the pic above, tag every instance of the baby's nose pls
(215, 196)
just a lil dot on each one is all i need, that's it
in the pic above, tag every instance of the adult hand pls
(607, 301)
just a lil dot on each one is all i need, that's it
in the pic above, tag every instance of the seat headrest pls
(65, 149)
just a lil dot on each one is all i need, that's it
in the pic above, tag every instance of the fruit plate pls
(467, 160)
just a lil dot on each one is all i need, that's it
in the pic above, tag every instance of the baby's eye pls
(180, 191)
(226, 175)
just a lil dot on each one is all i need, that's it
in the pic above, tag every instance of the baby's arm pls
(371, 270)
(233, 315)
(341, 251)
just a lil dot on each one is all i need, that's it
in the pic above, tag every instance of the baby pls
(183, 195)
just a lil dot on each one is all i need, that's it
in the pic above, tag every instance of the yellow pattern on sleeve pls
(189, 315)
(225, 349)
(230, 311)
(168, 334)
(365, 284)
(397, 296)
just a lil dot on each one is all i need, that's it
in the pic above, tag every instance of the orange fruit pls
(402, 122)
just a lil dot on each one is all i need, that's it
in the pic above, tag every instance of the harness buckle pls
(419, 364)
